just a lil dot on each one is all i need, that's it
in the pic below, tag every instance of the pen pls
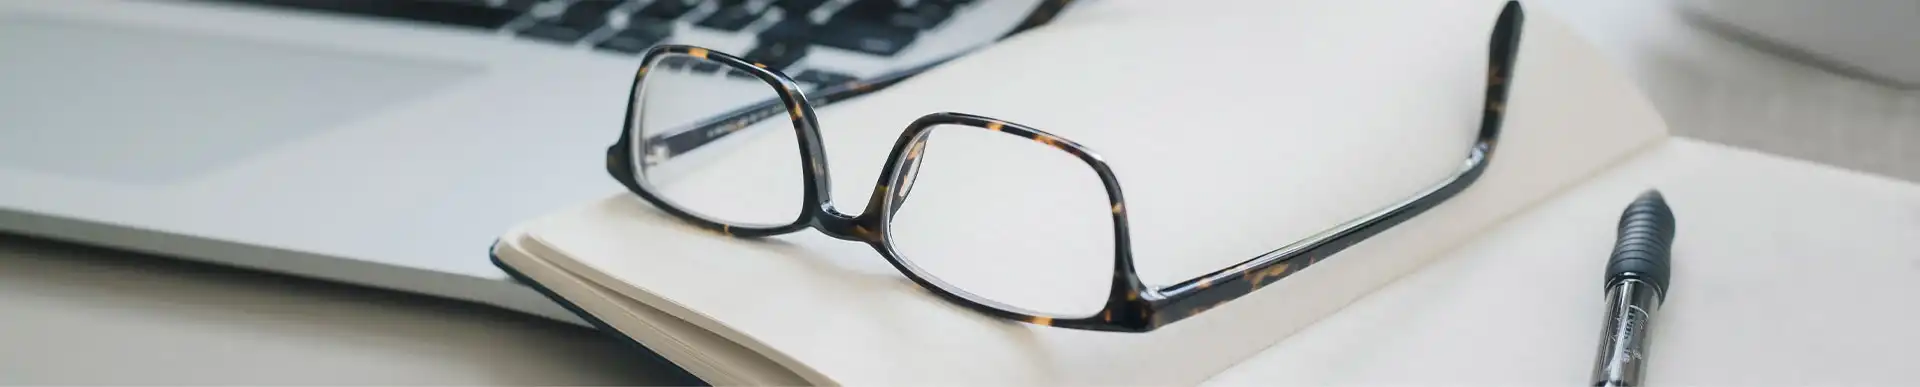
(1636, 285)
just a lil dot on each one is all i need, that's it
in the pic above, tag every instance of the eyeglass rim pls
(1132, 306)
(629, 170)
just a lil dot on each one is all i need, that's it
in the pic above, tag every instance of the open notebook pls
(1226, 152)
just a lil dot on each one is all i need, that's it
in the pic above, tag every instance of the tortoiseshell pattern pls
(1132, 306)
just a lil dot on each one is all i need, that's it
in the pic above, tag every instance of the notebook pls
(1226, 152)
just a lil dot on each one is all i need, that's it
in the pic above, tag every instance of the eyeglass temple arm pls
(677, 142)
(1190, 297)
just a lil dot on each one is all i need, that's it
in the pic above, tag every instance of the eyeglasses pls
(777, 183)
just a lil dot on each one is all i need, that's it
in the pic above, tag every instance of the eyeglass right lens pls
(1007, 219)
(716, 141)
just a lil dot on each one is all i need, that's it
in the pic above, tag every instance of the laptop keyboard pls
(877, 28)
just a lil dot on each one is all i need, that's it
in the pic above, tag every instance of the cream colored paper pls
(1785, 273)
(1224, 152)
(716, 360)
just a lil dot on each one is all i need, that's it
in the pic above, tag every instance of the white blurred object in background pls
(1878, 40)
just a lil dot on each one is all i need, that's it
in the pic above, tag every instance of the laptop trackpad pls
(148, 106)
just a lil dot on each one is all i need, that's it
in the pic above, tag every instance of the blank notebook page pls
(1785, 273)
(1223, 152)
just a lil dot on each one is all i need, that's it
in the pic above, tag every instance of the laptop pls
(377, 142)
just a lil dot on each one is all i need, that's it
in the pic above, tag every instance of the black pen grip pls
(1645, 239)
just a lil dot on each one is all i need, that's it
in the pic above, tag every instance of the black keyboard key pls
(626, 45)
(467, 14)
(798, 9)
(639, 34)
(731, 18)
(822, 78)
(789, 29)
(782, 44)
(777, 54)
(706, 66)
(870, 10)
(659, 28)
(923, 16)
(555, 32)
(518, 5)
(588, 14)
(864, 36)
(668, 9)
(675, 62)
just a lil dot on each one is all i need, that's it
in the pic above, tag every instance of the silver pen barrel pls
(1622, 360)
(1636, 284)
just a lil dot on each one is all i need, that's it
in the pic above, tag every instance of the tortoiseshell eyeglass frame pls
(1132, 306)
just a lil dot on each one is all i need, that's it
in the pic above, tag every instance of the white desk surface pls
(76, 315)
(79, 315)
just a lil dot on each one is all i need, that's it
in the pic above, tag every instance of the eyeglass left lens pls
(716, 141)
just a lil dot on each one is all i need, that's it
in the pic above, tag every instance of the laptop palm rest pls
(149, 106)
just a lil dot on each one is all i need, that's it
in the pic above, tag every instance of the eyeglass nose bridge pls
(863, 228)
(869, 225)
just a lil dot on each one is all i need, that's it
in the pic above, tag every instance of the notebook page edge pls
(675, 338)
